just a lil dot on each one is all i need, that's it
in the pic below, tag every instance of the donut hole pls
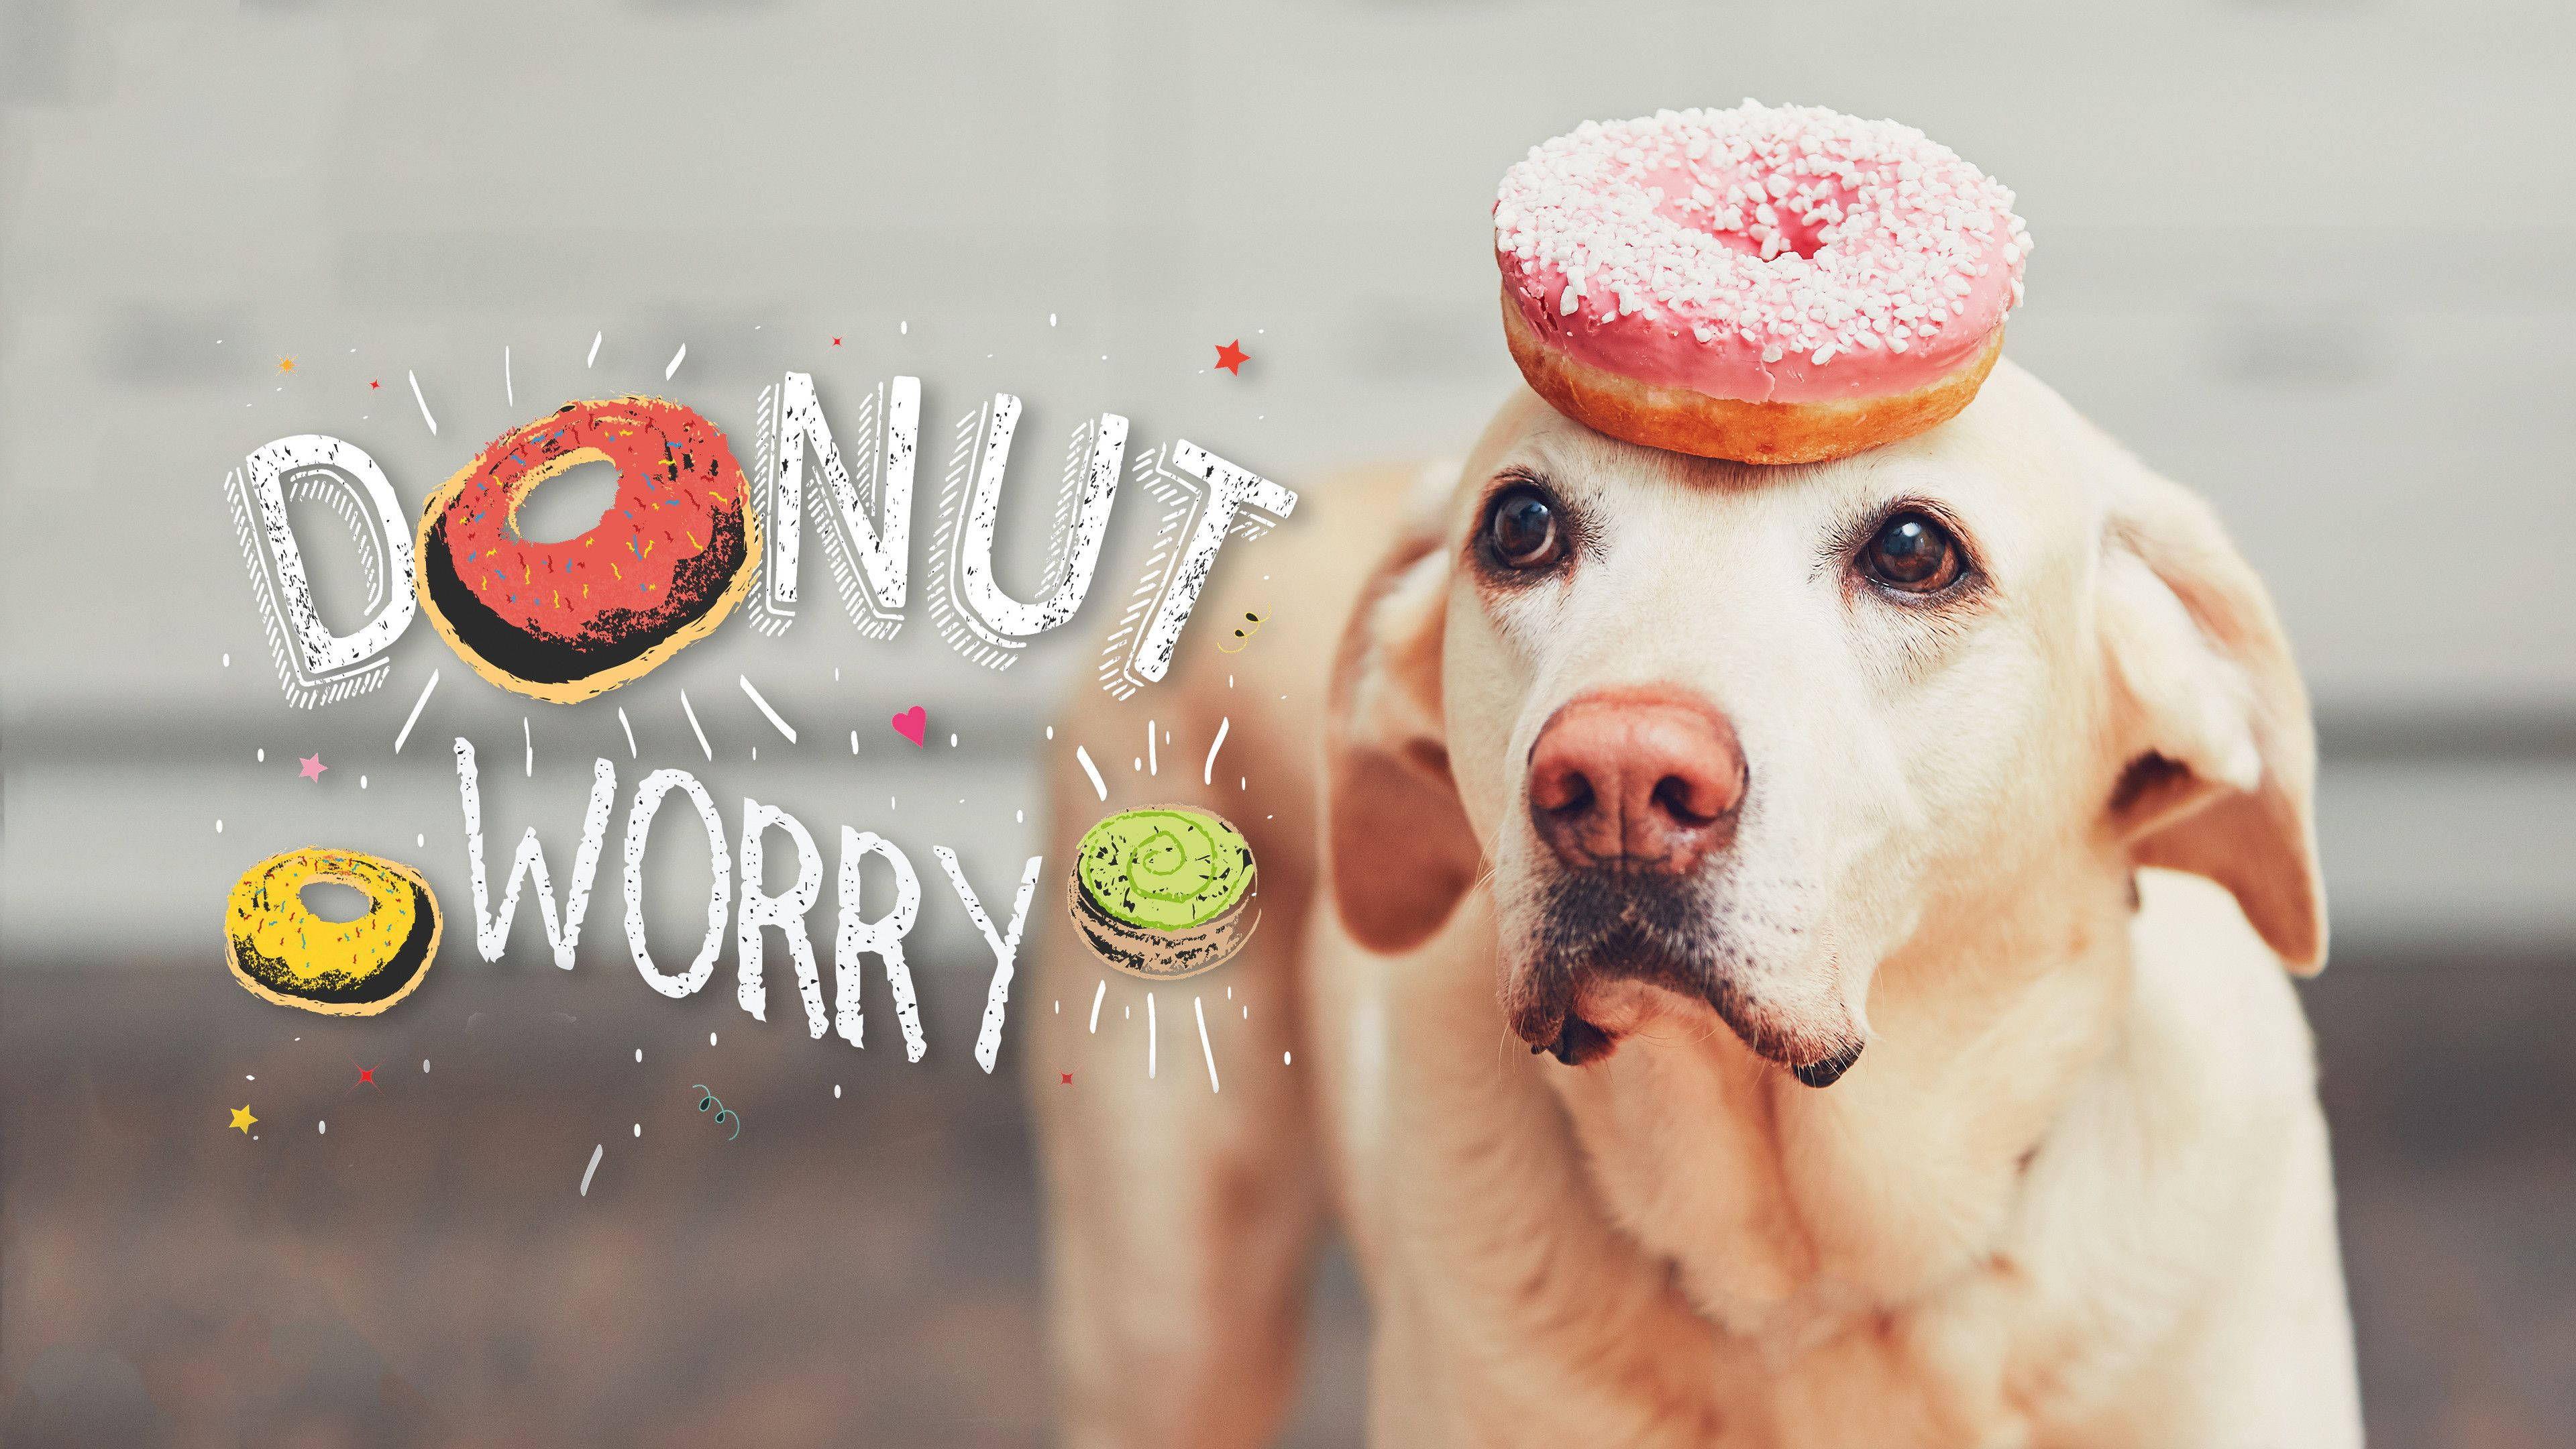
(334, 901)
(575, 497)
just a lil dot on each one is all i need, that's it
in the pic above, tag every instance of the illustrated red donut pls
(566, 621)
(1768, 285)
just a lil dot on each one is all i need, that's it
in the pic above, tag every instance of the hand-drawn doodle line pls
(709, 1099)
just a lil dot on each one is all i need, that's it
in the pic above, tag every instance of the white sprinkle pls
(675, 362)
(414, 717)
(596, 1153)
(1152, 1043)
(783, 727)
(1207, 773)
(594, 349)
(1149, 749)
(424, 402)
(707, 749)
(509, 389)
(1208, 1051)
(1096, 994)
(530, 740)
(1098, 786)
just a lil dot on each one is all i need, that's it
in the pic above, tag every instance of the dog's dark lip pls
(1830, 1070)
(1578, 1042)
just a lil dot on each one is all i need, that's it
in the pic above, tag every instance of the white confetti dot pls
(639, 1056)
(219, 827)
(322, 1128)
(836, 1091)
(1050, 731)
(424, 1064)
(263, 756)
(228, 661)
(1284, 1059)
(639, 1129)
(418, 839)
(711, 1038)
(362, 782)
(247, 1077)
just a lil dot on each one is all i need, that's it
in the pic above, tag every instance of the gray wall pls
(2309, 257)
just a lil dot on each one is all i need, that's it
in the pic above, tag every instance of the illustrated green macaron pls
(1163, 892)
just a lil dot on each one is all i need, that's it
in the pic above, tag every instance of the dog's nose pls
(1646, 779)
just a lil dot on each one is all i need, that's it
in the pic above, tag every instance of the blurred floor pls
(864, 1268)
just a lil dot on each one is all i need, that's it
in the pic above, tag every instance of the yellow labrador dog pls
(1748, 956)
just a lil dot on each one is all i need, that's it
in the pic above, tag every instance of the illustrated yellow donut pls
(1163, 892)
(286, 954)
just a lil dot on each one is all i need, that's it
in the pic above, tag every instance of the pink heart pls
(912, 724)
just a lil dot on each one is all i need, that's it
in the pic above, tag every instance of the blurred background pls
(2308, 256)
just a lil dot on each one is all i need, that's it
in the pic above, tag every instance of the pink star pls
(312, 767)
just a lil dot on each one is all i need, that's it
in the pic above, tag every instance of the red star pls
(1232, 357)
(373, 383)
(366, 1078)
(836, 342)
(1068, 1078)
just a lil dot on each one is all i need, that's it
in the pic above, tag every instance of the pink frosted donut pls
(1771, 285)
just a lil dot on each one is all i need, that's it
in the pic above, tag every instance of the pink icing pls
(1781, 255)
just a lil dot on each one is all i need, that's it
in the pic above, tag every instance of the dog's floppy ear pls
(1402, 851)
(2220, 755)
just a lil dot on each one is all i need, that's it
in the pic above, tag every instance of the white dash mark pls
(1151, 1045)
(414, 717)
(509, 389)
(1097, 993)
(596, 1153)
(530, 740)
(1153, 764)
(1208, 1051)
(1287, 1059)
(1207, 776)
(675, 362)
(424, 402)
(424, 1064)
(784, 727)
(624, 724)
(854, 742)
(594, 349)
(322, 1128)
(703, 747)
(1098, 786)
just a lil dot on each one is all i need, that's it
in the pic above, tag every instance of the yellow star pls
(242, 1118)
(286, 364)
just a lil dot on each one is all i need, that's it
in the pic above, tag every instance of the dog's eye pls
(1912, 553)
(1521, 530)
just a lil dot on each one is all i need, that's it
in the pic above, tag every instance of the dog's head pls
(1740, 733)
